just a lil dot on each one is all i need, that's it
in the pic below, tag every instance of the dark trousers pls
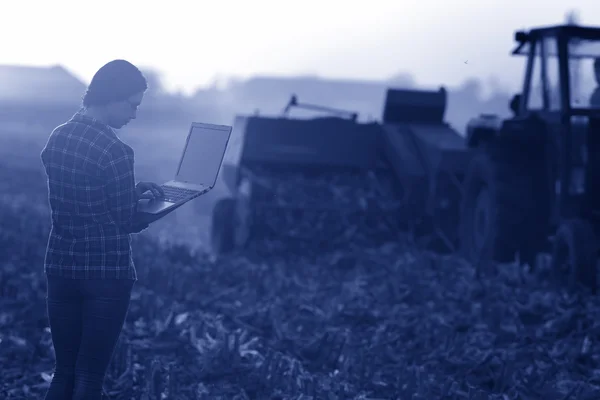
(86, 318)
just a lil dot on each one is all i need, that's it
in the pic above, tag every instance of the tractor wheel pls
(222, 226)
(231, 225)
(574, 254)
(499, 205)
(243, 219)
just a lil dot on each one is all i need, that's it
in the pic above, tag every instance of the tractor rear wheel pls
(499, 210)
(231, 225)
(575, 255)
(222, 226)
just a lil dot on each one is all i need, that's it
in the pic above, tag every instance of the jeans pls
(86, 318)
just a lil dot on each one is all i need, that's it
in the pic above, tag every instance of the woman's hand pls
(143, 187)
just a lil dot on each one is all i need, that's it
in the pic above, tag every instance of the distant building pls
(42, 96)
(39, 84)
(270, 95)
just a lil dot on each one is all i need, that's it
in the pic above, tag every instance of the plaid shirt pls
(93, 201)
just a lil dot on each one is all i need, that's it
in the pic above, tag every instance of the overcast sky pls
(192, 42)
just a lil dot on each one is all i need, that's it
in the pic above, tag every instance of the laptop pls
(197, 171)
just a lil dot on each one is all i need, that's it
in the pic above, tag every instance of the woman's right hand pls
(142, 187)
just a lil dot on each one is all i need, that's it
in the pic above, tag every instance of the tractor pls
(533, 184)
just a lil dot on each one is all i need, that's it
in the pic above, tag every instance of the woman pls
(93, 199)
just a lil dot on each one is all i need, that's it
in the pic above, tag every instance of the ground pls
(381, 322)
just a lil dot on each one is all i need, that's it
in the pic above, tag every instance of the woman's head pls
(115, 92)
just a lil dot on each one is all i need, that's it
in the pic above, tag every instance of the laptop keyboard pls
(174, 194)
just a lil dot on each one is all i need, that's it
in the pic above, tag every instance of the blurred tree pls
(402, 80)
(472, 89)
(156, 85)
(572, 17)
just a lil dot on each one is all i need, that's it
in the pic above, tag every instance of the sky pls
(194, 43)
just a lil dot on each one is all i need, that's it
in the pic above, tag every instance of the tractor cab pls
(563, 71)
(561, 80)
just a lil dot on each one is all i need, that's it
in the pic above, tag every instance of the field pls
(376, 322)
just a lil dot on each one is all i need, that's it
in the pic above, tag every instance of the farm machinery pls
(509, 190)
(332, 180)
(533, 184)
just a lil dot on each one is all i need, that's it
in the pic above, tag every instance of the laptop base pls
(154, 207)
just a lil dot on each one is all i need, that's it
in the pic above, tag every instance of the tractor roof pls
(588, 39)
(583, 32)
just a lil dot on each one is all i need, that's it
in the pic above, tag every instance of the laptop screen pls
(203, 154)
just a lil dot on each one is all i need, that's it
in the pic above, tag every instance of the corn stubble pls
(375, 321)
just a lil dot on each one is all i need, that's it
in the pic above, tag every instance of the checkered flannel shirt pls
(93, 201)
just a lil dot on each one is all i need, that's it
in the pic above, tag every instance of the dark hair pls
(115, 81)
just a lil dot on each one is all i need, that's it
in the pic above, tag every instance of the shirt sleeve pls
(120, 186)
